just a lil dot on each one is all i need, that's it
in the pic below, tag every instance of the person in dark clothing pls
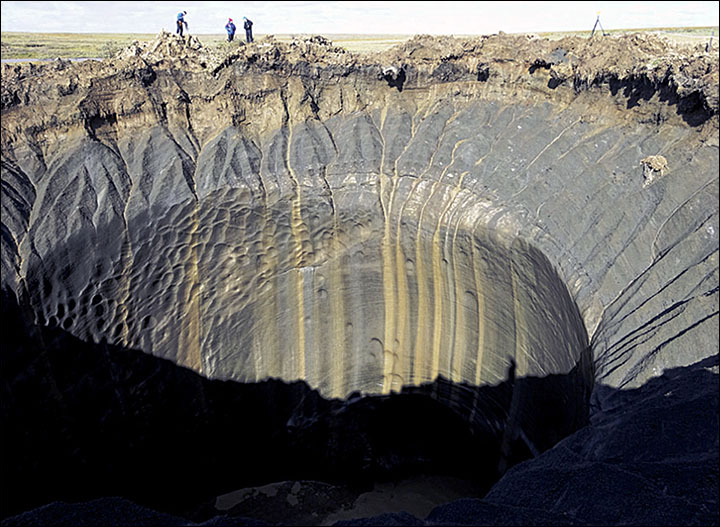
(181, 22)
(230, 28)
(248, 29)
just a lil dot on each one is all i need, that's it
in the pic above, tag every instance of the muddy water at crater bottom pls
(316, 503)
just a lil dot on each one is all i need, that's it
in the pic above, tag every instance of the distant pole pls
(708, 46)
(597, 23)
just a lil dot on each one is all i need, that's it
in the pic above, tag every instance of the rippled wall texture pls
(362, 237)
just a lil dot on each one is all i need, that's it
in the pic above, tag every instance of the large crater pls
(452, 228)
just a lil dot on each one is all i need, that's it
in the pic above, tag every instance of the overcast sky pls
(405, 18)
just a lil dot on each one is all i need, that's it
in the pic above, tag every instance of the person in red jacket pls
(230, 28)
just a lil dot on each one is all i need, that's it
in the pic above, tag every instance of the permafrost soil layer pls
(480, 211)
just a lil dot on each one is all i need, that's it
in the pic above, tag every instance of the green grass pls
(65, 45)
(87, 45)
(99, 45)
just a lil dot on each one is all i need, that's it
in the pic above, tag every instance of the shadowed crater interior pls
(100, 420)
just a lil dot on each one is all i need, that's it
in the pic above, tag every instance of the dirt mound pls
(638, 65)
(591, 61)
(190, 53)
(582, 63)
(167, 46)
(269, 54)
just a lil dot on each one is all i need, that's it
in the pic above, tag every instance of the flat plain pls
(17, 45)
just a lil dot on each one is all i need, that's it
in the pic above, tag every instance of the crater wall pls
(355, 234)
(298, 213)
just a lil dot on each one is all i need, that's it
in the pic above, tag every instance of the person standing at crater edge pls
(248, 29)
(230, 28)
(181, 22)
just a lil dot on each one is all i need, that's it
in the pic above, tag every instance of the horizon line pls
(370, 34)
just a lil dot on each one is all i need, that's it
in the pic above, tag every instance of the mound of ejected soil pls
(581, 63)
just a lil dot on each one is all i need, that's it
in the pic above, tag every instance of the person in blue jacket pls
(248, 29)
(230, 28)
(181, 22)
